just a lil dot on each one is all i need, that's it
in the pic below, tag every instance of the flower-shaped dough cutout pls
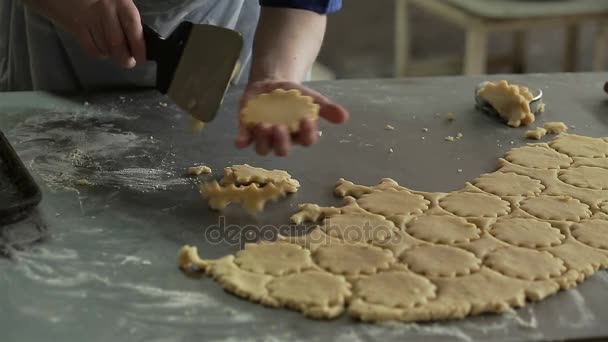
(280, 107)
(593, 233)
(393, 202)
(524, 263)
(358, 226)
(559, 208)
(585, 177)
(472, 204)
(524, 232)
(508, 184)
(539, 156)
(395, 289)
(443, 229)
(580, 146)
(353, 258)
(440, 261)
(273, 258)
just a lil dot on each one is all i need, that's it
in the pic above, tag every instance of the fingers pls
(97, 34)
(263, 139)
(115, 37)
(130, 22)
(308, 134)
(334, 113)
(244, 138)
(85, 38)
(281, 140)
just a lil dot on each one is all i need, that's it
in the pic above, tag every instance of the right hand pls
(105, 28)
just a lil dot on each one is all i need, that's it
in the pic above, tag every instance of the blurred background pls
(522, 36)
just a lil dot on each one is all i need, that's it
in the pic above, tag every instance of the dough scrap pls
(199, 170)
(509, 184)
(280, 107)
(536, 134)
(525, 232)
(440, 261)
(555, 127)
(539, 156)
(580, 146)
(246, 175)
(470, 204)
(585, 177)
(253, 197)
(443, 229)
(536, 226)
(395, 289)
(559, 208)
(512, 102)
(525, 263)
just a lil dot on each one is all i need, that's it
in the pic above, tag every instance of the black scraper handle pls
(166, 52)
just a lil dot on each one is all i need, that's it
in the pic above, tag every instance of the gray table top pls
(511, 9)
(108, 270)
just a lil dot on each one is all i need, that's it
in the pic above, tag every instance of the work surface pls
(107, 271)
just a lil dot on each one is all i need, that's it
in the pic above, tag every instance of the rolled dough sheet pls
(537, 225)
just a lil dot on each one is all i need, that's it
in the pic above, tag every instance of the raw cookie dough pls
(246, 174)
(280, 107)
(199, 170)
(516, 235)
(512, 102)
(536, 134)
(555, 127)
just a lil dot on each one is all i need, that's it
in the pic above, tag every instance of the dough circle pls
(443, 229)
(580, 146)
(440, 261)
(529, 233)
(353, 259)
(310, 288)
(585, 177)
(508, 184)
(392, 202)
(359, 227)
(538, 157)
(559, 208)
(526, 264)
(593, 233)
(471, 204)
(395, 289)
(273, 258)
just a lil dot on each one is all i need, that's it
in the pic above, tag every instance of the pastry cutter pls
(487, 108)
(195, 65)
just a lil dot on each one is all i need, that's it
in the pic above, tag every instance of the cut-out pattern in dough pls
(585, 177)
(440, 261)
(472, 204)
(580, 146)
(561, 208)
(508, 184)
(487, 248)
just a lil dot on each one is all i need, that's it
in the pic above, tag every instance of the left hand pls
(277, 138)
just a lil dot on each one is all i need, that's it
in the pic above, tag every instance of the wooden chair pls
(479, 18)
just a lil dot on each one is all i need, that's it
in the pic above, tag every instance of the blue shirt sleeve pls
(319, 6)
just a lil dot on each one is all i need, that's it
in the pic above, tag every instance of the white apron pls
(35, 55)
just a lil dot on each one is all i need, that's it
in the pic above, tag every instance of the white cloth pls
(35, 55)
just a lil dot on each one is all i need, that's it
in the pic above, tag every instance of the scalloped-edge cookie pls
(280, 107)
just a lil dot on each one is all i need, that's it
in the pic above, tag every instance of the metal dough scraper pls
(195, 65)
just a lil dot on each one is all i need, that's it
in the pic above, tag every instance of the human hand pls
(104, 28)
(277, 138)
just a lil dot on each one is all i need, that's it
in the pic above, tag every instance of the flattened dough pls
(392, 202)
(508, 184)
(539, 156)
(593, 233)
(273, 259)
(561, 208)
(396, 289)
(525, 232)
(440, 261)
(353, 258)
(585, 177)
(580, 146)
(280, 107)
(526, 264)
(443, 229)
(470, 204)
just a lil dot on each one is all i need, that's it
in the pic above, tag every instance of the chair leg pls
(601, 47)
(520, 44)
(476, 51)
(571, 53)
(402, 37)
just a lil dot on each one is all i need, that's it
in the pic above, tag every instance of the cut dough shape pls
(526, 264)
(508, 184)
(512, 102)
(529, 233)
(280, 107)
(395, 289)
(353, 259)
(273, 259)
(470, 204)
(539, 156)
(585, 177)
(393, 202)
(443, 229)
(580, 146)
(593, 233)
(440, 261)
(555, 127)
(253, 197)
(536, 134)
(358, 227)
(245, 175)
(199, 170)
(559, 208)
(474, 251)
(316, 294)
